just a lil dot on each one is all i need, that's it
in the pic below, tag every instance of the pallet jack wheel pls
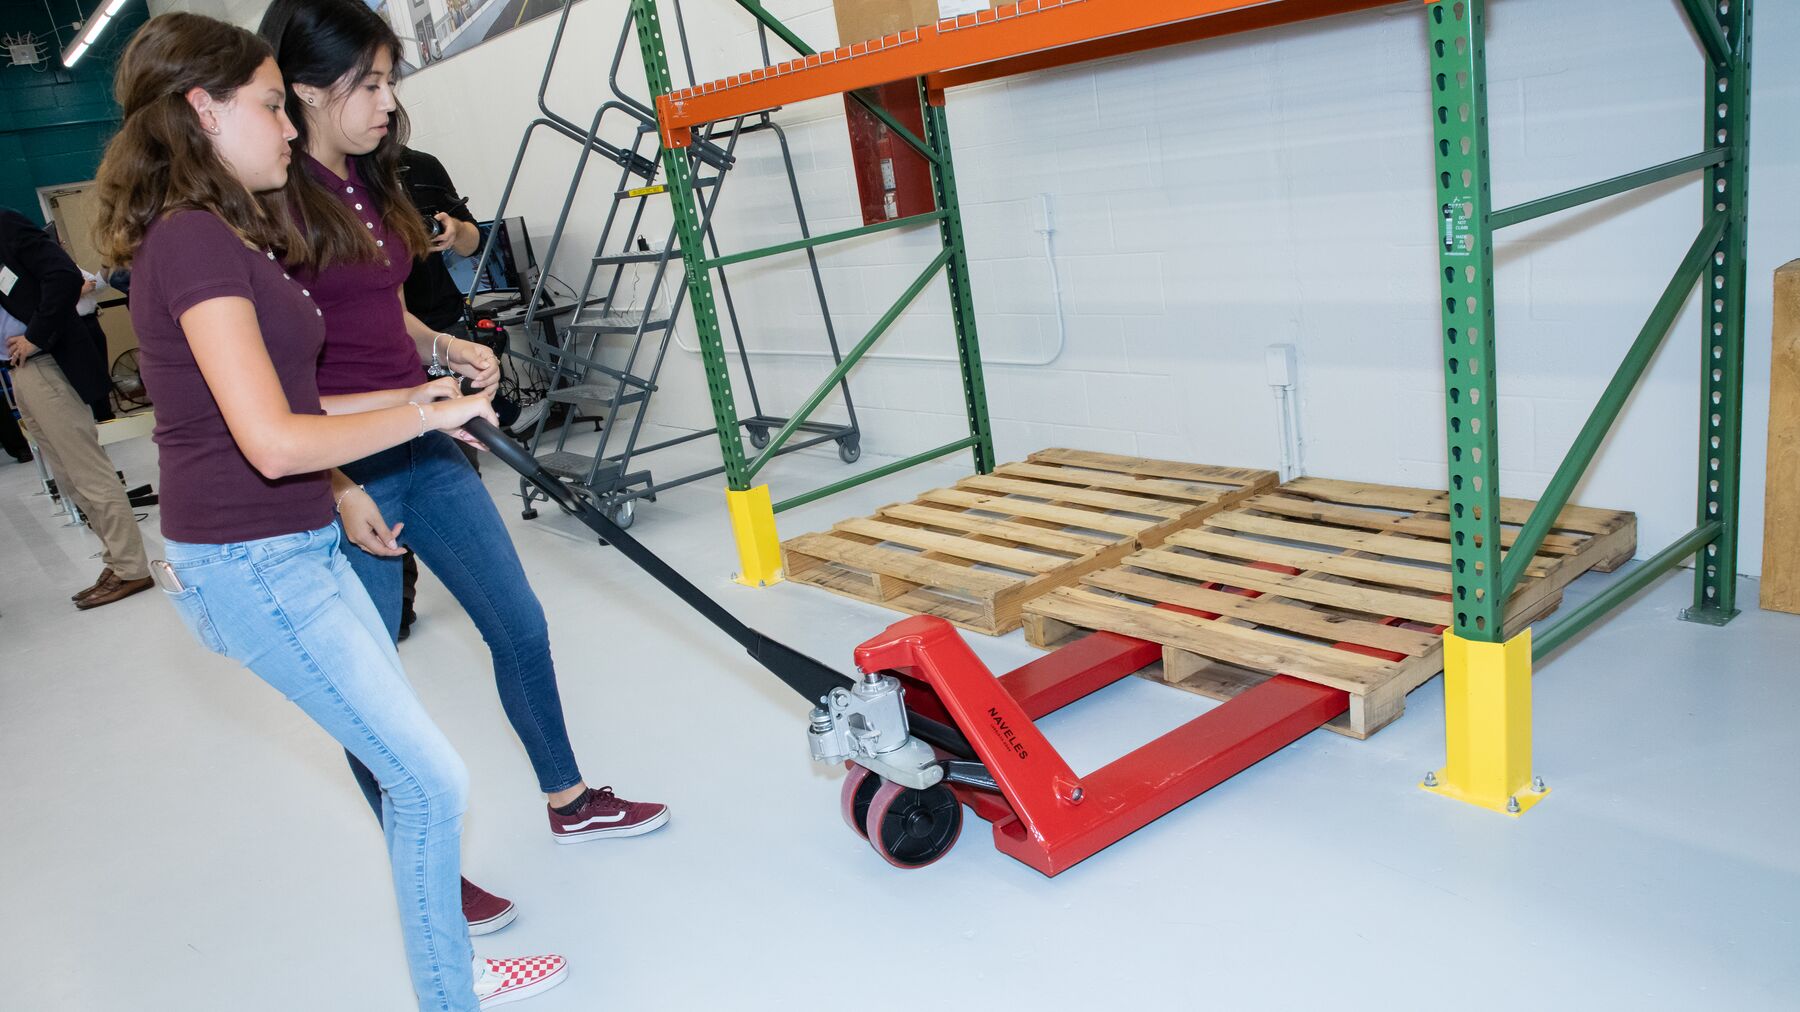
(911, 829)
(859, 791)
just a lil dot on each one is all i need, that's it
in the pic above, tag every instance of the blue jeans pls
(455, 530)
(291, 610)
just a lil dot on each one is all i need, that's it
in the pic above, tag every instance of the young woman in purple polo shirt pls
(229, 344)
(361, 237)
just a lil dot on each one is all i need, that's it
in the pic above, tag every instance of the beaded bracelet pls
(338, 507)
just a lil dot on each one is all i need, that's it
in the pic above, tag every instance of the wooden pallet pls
(1342, 583)
(976, 552)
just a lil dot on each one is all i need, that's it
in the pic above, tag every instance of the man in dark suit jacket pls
(43, 298)
(11, 439)
(57, 373)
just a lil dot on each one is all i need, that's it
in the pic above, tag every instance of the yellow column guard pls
(753, 524)
(1487, 725)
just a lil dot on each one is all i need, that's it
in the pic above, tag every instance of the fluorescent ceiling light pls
(96, 24)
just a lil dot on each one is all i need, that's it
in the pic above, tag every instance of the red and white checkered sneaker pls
(498, 981)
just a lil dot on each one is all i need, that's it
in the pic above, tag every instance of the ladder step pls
(588, 392)
(623, 321)
(614, 259)
(651, 190)
(575, 466)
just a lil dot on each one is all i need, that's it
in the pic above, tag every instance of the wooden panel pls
(1781, 501)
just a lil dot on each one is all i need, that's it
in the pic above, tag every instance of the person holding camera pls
(431, 293)
(360, 235)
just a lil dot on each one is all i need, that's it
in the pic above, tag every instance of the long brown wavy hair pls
(161, 159)
(331, 44)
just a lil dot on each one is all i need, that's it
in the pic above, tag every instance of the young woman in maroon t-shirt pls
(229, 344)
(362, 234)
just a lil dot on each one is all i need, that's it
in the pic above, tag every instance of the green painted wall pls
(55, 122)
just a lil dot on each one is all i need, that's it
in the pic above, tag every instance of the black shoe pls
(26, 459)
(405, 631)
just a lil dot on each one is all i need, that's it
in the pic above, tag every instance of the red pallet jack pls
(926, 728)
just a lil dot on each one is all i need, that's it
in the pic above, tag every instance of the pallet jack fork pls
(1043, 813)
(926, 728)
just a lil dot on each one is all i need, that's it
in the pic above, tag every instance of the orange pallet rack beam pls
(1011, 39)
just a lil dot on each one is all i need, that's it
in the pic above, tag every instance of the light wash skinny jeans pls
(291, 609)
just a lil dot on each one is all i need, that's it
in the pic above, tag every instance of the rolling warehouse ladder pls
(601, 362)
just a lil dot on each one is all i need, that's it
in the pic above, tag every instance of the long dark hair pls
(161, 159)
(324, 44)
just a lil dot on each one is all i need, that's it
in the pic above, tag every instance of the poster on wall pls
(434, 30)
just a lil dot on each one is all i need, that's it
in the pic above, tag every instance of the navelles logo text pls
(1005, 732)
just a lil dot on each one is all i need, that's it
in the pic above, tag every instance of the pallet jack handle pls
(808, 677)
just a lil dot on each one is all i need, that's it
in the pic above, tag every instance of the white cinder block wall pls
(1208, 201)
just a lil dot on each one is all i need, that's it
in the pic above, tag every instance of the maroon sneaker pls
(603, 813)
(485, 912)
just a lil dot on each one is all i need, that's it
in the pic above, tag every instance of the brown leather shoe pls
(105, 575)
(114, 589)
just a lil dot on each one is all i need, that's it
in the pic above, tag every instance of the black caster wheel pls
(849, 450)
(623, 514)
(759, 436)
(859, 791)
(911, 829)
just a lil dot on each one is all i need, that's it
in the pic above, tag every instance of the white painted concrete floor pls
(176, 836)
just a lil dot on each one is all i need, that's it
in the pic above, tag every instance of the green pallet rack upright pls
(751, 507)
(1487, 677)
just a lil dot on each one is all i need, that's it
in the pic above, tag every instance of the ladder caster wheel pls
(528, 514)
(859, 791)
(759, 436)
(849, 450)
(623, 514)
(911, 829)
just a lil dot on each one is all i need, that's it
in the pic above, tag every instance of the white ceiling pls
(239, 12)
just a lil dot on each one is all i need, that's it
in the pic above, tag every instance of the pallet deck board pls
(1309, 621)
(977, 552)
(1342, 583)
(1408, 524)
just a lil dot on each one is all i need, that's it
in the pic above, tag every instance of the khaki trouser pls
(63, 427)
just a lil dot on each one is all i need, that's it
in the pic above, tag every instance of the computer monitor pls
(512, 267)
